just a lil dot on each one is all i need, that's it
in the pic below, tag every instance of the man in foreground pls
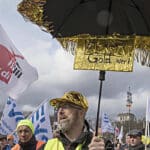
(136, 140)
(73, 133)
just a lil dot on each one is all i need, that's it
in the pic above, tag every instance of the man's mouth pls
(63, 117)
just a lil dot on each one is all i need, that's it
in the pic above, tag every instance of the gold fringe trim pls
(72, 43)
(142, 51)
(32, 10)
(141, 45)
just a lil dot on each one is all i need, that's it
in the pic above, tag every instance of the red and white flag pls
(116, 131)
(16, 74)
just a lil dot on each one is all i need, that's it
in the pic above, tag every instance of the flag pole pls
(101, 78)
(146, 135)
(147, 122)
(38, 107)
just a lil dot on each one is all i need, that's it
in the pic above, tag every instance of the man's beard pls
(65, 125)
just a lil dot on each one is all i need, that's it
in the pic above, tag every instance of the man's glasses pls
(67, 106)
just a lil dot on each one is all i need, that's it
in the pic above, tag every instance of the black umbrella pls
(68, 18)
(75, 20)
(95, 17)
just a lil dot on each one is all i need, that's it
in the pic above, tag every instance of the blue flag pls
(10, 117)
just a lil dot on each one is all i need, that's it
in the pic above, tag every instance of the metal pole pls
(129, 119)
(101, 78)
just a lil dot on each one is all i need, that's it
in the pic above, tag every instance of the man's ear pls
(82, 113)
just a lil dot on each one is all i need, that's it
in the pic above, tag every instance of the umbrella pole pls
(101, 78)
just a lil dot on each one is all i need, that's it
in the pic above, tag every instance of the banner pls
(16, 74)
(41, 121)
(106, 124)
(10, 117)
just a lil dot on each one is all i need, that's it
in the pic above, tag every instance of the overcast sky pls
(56, 74)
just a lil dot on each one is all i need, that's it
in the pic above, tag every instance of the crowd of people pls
(73, 132)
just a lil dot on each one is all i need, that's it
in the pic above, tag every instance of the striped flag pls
(106, 124)
(41, 121)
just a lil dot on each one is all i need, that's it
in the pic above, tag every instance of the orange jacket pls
(38, 145)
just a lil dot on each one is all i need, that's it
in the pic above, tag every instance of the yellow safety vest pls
(56, 144)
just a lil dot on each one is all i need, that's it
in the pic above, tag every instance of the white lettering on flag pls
(10, 117)
(16, 74)
(41, 121)
(106, 124)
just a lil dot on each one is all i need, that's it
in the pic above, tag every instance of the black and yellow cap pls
(73, 97)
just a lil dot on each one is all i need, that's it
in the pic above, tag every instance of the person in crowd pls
(117, 144)
(3, 142)
(109, 145)
(136, 140)
(74, 133)
(27, 140)
(10, 140)
(127, 142)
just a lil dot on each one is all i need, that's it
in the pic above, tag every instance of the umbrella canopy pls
(97, 17)
(66, 18)
(70, 20)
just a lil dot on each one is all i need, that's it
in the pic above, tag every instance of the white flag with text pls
(41, 121)
(10, 117)
(16, 74)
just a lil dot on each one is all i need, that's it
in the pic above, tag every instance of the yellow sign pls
(112, 53)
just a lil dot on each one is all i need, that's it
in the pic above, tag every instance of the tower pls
(129, 103)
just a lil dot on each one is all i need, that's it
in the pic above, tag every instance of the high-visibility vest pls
(56, 144)
(38, 145)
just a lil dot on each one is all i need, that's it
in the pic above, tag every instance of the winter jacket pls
(32, 144)
(137, 147)
(62, 143)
